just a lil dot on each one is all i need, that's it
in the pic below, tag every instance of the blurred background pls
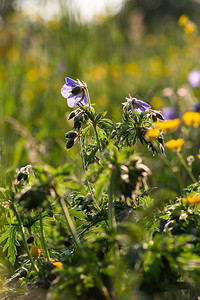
(139, 47)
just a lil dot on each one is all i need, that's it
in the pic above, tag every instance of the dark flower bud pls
(71, 115)
(21, 175)
(157, 115)
(77, 122)
(70, 143)
(71, 135)
(30, 240)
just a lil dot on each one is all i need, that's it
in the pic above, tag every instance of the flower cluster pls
(192, 200)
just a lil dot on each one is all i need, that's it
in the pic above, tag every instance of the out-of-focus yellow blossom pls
(175, 145)
(152, 133)
(150, 40)
(102, 100)
(156, 102)
(198, 155)
(192, 200)
(12, 54)
(132, 69)
(28, 94)
(57, 264)
(168, 125)
(32, 75)
(35, 251)
(98, 72)
(156, 67)
(189, 28)
(183, 20)
(191, 118)
(116, 72)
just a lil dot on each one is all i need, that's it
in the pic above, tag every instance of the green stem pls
(78, 244)
(186, 167)
(84, 168)
(97, 138)
(88, 97)
(24, 237)
(43, 239)
(111, 212)
(177, 174)
(70, 224)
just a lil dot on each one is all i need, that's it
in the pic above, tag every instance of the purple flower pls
(136, 105)
(194, 78)
(196, 107)
(74, 91)
(169, 113)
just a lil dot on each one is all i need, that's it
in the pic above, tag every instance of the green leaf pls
(11, 236)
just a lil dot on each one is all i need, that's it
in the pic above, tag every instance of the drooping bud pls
(71, 135)
(70, 143)
(71, 115)
(30, 239)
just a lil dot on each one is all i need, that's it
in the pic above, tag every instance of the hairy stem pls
(43, 239)
(186, 167)
(24, 237)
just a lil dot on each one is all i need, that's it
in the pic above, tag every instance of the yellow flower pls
(57, 264)
(168, 125)
(198, 155)
(35, 251)
(191, 118)
(183, 20)
(189, 28)
(192, 200)
(152, 133)
(156, 102)
(175, 145)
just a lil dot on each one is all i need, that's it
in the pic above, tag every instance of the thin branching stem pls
(44, 246)
(35, 267)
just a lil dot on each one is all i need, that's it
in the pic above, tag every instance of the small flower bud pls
(21, 175)
(71, 115)
(30, 240)
(77, 122)
(70, 143)
(71, 135)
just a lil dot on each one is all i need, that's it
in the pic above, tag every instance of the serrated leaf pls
(11, 242)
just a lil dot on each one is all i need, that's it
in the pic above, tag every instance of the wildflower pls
(196, 107)
(183, 20)
(57, 264)
(191, 118)
(189, 27)
(152, 133)
(198, 155)
(192, 200)
(169, 113)
(136, 105)
(74, 91)
(35, 251)
(168, 125)
(175, 145)
(194, 78)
